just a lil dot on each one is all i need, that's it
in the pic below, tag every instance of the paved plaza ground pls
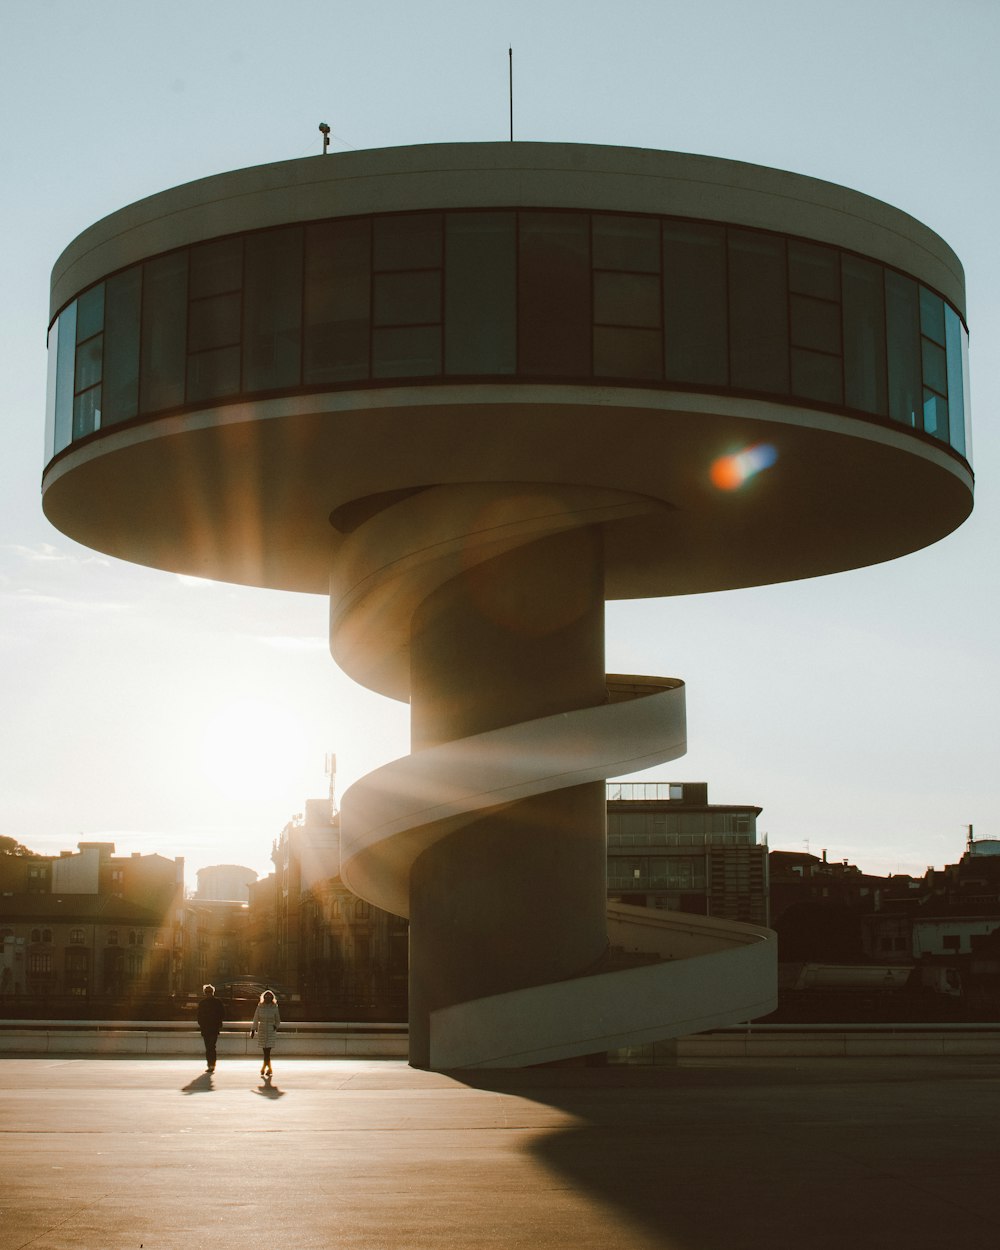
(118, 1154)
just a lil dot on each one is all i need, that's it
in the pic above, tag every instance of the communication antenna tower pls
(330, 768)
(510, 89)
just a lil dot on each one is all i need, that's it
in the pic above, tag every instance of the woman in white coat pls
(266, 1019)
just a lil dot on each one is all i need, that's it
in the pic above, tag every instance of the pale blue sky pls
(859, 711)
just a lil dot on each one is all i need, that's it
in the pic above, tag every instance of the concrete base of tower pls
(516, 897)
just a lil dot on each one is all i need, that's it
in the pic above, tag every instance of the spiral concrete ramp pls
(696, 973)
(629, 975)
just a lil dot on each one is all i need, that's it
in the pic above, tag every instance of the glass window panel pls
(758, 312)
(957, 399)
(865, 384)
(694, 303)
(337, 301)
(51, 387)
(121, 346)
(87, 413)
(216, 267)
(936, 415)
(554, 328)
(814, 269)
(631, 243)
(815, 324)
(272, 303)
(65, 366)
(213, 374)
(966, 448)
(480, 293)
(626, 299)
(817, 376)
(404, 352)
(214, 322)
(90, 313)
(902, 320)
(407, 298)
(407, 241)
(88, 362)
(935, 366)
(621, 353)
(162, 362)
(932, 316)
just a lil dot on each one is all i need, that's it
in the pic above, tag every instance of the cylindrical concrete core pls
(517, 897)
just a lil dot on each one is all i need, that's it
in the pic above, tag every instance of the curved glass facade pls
(539, 295)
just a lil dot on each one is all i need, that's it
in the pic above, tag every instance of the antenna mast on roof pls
(510, 88)
(324, 130)
(331, 772)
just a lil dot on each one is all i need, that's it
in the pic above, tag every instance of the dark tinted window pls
(480, 293)
(88, 362)
(337, 301)
(758, 312)
(815, 323)
(216, 267)
(813, 270)
(65, 364)
(622, 353)
(626, 299)
(932, 316)
(410, 241)
(407, 298)
(554, 328)
(121, 346)
(87, 412)
(902, 318)
(164, 332)
(272, 330)
(864, 336)
(954, 337)
(214, 322)
(410, 351)
(694, 299)
(213, 374)
(629, 243)
(90, 313)
(816, 376)
(406, 309)
(935, 366)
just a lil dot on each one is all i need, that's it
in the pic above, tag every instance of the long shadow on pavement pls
(717, 1159)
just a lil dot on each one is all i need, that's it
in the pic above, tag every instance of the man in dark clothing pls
(210, 1023)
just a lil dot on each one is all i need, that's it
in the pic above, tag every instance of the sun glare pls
(252, 749)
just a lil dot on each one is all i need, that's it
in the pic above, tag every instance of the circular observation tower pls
(472, 391)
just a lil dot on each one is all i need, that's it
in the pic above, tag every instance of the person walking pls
(210, 1023)
(266, 1020)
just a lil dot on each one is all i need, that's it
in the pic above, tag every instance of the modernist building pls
(471, 391)
(671, 849)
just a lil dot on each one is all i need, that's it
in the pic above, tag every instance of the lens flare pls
(735, 470)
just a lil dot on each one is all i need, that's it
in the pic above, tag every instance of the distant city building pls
(345, 957)
(671, 849)
(90, 926)
(225, 882)
(948, 913)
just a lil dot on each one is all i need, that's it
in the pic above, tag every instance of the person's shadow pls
(200, 1085)
(269, 1090)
